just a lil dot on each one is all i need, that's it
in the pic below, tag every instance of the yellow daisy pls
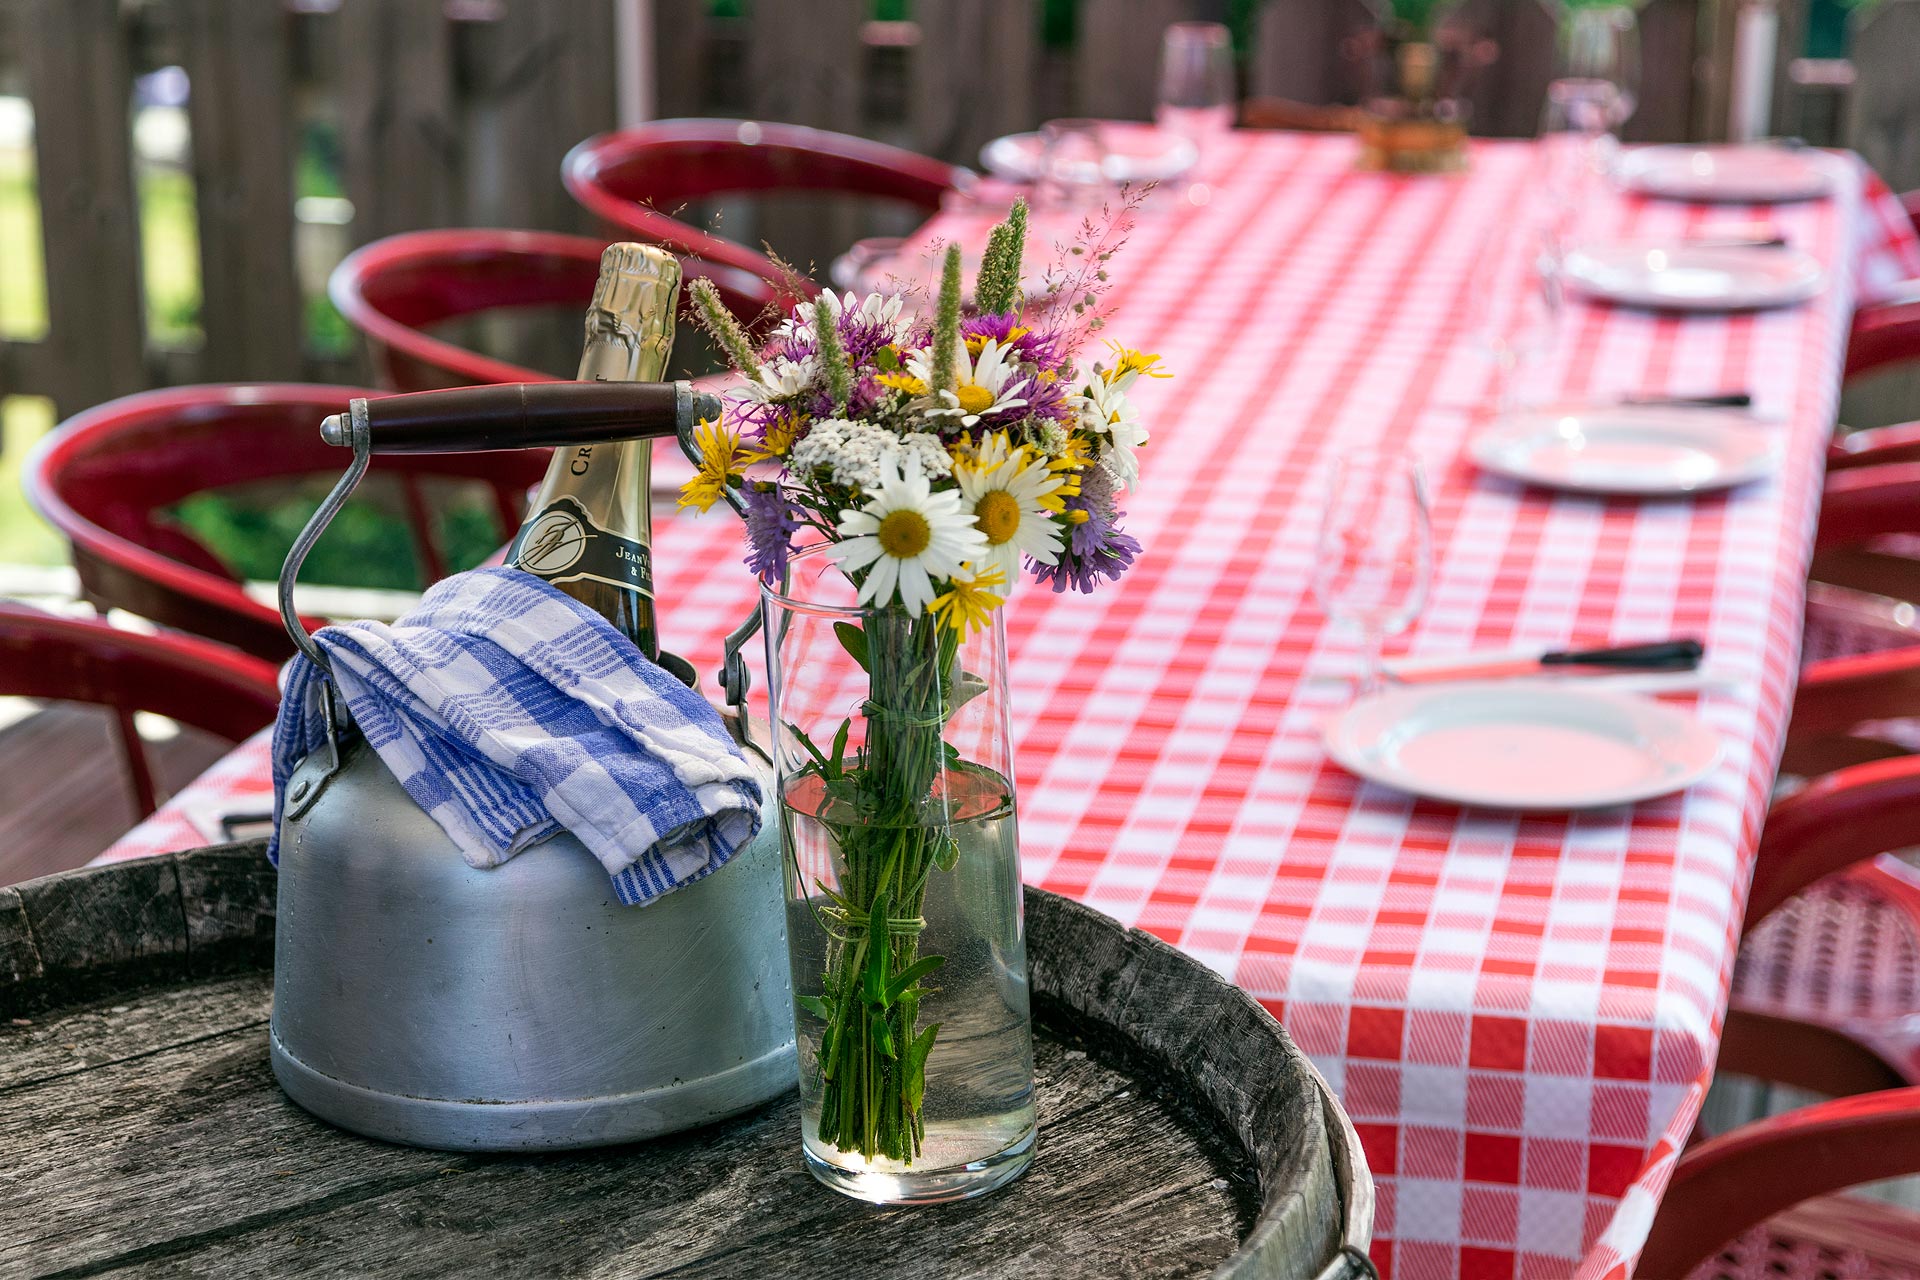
(1126, 360)
(776, 441)
(721, 458)
(968, 606)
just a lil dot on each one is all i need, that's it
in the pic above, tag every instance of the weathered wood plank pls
(196, 1146)
(1117, 52)
(973, 75)
(1883, 111)
(227, 894)
(804, 66)
(19, 959)
(240, 109)
(101, 926)
(69, 1041)
(1181, 1135)
(1296, 50)
(680, 58)
(1669, 53)
(64, 792)
(404, 156)
(80, 82)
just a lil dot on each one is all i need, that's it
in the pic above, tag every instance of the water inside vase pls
(977, 1113)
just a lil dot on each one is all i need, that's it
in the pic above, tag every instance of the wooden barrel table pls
(1181, 1133)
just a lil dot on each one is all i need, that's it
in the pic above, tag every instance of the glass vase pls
(903, 894)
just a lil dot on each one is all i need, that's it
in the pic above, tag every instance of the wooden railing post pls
(240, 109)
(963, 96)
(1117, 52)
(80, 83)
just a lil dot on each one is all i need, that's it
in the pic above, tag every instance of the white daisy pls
(981, 384)
(1007, 489)
(874, 308)
(905, 537)
(778, 379)
(1105, 411)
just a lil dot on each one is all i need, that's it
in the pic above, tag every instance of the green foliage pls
(833, 358)
(946, 321)
(365, 546)
(726, 332)
(997, 289)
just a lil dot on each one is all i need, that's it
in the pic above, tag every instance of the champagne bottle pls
(590, 529)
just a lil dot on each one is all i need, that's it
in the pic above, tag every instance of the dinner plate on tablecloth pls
(1739, 175)
(1134, 153)
(1629, 449)
(1522, 744)
(1678, 276)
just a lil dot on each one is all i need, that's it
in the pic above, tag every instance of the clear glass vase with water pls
(903, 894)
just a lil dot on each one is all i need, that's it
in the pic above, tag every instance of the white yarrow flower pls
(858, 454)
(905, 537)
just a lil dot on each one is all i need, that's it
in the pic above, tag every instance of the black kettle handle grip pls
(521, 415)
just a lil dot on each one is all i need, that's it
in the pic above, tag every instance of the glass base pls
(930, 1186)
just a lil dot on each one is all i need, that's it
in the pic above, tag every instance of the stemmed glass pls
(1375, 552)
(1197, 96)
(1602, 42)
(1074, 160)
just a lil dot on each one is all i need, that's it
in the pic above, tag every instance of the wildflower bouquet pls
(935, 461)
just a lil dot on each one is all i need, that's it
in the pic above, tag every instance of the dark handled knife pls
(1664, 655)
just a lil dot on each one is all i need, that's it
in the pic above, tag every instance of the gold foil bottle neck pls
(633, 306)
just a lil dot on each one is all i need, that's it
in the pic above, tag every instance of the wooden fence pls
(457, 112)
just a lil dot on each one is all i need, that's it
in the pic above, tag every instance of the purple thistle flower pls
(1097, 548)
(770, 528)
(1035, 346)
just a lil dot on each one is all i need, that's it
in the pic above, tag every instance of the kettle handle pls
(438, 431)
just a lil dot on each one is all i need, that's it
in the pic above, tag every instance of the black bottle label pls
(563, 544)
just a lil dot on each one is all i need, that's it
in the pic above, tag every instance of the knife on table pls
(1663, 655)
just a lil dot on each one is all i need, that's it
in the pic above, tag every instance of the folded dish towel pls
(509, 710)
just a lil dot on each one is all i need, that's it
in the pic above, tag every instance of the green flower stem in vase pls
(904, 911)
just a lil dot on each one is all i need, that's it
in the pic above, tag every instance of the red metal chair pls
(1865, 581)
(397, 289)
(1827, 917)
(216, 689)
(636, 178)
(1888, 332)
(108, 477)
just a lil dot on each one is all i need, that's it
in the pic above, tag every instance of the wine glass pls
(1375, 552)
(1572, 155)
(1197, 96)
(1602, 42)
(1074, 159)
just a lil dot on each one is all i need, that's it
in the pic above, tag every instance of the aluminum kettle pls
(424, 1001)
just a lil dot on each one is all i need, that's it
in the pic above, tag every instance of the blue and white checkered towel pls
(509, 710)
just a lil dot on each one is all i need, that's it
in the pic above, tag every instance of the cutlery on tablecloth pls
(1659, 656)
(1704, 400)
(1773, 241)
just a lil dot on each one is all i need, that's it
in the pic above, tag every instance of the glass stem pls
(1372, 675)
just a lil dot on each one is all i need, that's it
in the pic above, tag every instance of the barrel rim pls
(204, 913)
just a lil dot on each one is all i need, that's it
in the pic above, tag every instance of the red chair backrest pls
(636, 178)
(396, 289)
(220, 690)
(107, 477)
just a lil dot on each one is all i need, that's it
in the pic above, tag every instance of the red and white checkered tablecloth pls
(1520, 1013)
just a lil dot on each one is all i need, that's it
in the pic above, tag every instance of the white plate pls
(1135, 153)
(1743, 175)
(1637, 449)
(1698, 277)
(1518, 744)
